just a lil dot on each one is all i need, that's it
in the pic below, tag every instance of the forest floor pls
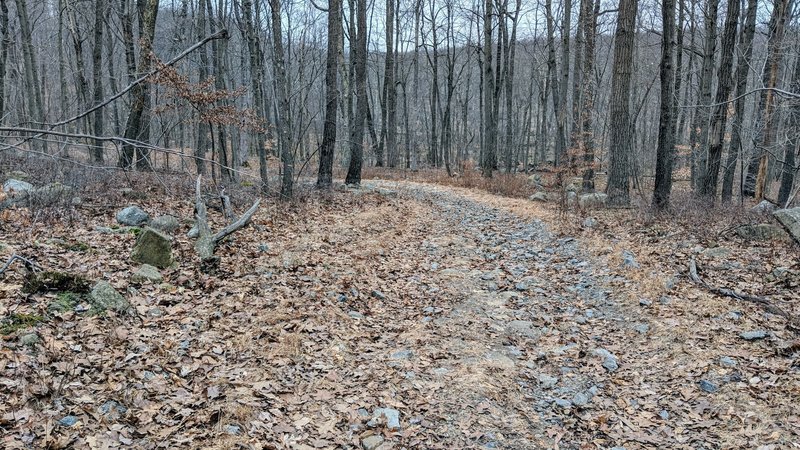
(483, 321)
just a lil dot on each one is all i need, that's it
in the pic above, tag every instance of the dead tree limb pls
(765, 303)
(207, 240)
(30, 266)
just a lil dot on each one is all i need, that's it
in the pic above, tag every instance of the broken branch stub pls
(207, 240)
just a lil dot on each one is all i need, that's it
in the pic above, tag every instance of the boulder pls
(166, 224)
(153, 248)
(535, 180)
(104, 296)
(132, 216)
(16, 187)
(147, 273)
(574, 184)
(539, 197)
(790, 219)
(762, 232)
(765, 207)
(593, 200)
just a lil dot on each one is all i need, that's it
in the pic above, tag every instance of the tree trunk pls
(756, 179)
(788, 168)
(719, 118)
(5, 43)
(744, 57)
(97, 79)
(620, 145)
(257, 86)
(283, 118)
(703, 113)
(325, 173)
(489, 138)
(666, 132)
(589, 26)
(566, 26)
(358, 52)
(34, 91)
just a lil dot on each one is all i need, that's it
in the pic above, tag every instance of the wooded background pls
(647, 92)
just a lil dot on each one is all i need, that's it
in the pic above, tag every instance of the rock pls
(582, 398)
(589, 222)
(593, 200)
(49, 194)
(574, 184)
(572, 198)
(708, 386)
(104, 296)
(16, 187)
(790, 219)
(753, 335)
(355, 315)
(371, 442)
(539, 197)
(664, 414)
(762, 232)
(193, 232)
(524, 328)
(147, 273)
(389, 415)
(566, 404)
(609, 359)
(645, 302)
(402, 354)
(153, 248)
(765, 207)
(727, 361)
(166, 224)
(629, 260)
(132, 216)
(68, 421)
(641, 328)
(535, 180)
(717, 252)
(233, 429)
(29, 339)
(546, 381)
(112, 410)
(18, 175)
(379, 295)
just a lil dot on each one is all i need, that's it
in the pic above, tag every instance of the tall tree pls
(31, 66)
(756, 179)
(703, 113)
(589, 26)
(257, 86)
(283, 117)
(489, 124)
(792, 146)
(358, 51)
(744, 57)
(390, 86)
(620, 144)
(97, 79)
(325, 173)
(719, 118)
(5, 43)
(666, 132)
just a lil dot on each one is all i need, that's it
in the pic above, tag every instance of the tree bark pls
(325, 173)
(666, 132)
(257, 85)
(589, 26)
(359, 54)
(97, 79)
(283, 118)
(620, 145)
(792, 146)
(703, 113)
(489, 138)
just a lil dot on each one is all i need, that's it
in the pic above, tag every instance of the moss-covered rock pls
(104, 297)
(153, 248)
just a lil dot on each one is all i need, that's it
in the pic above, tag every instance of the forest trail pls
(460, 311)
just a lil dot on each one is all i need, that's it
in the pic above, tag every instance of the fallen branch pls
(765, 303)
(206, 241)
(29, 265)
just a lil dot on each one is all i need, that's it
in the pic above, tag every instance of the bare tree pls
(283, 117)
(359, 56)
(666, 132)
(325, 173)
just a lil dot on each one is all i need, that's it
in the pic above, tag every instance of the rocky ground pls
(400, 315)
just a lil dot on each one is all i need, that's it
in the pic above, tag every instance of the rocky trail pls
(400, 315)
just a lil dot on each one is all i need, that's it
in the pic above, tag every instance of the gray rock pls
(716, 252)
(753, 335)
(193, 232)
(15, 187)
(153, 248)
(233, 429)
(147, 273)
(539, 197)
(68, 421)
(166, 224)
(389, 415)
(572, 198)
(727, 361)
(708, 386)
(49, 194)
(355, 315)
(629, 260)
(574, 184)
(594, 200)
(589, 222)
(112, 410)
(610, 361)
(762, 232)
(18, 175)
(566, 404)
(582, 398)
(535, 180)
(29, 339)
(379, 295)
(546, 381)
(664, 414)
(524, 328)
(645, 302)
(765, 207)
(132, 216)
(641, 328)
(371, 442)
(403, 354)
(790, 219)
(104, 296)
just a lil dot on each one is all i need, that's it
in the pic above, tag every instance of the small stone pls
(546, 381)
(734, 315)
(440, 371)
(644, 302)
(521, 286)
(753, 335)
(670, 283)
(112, 409)
(403, 354)
(29, 339)
(166, 224)
(233, 429)
(263, 248)
(708, 386)
(610, 364)
(371, 442)
(379, 295)
(717, 252)
(539, 197)
(132, 216)
(68, 421)
(664, 414)
(104, 296)
(641, 328)
(582, 398)
(566, 404)
(727, 361)
(664, 300)
(629, 260)
(389, 415)
(589, 222)
(355, 315)
(147, 273)
(155, 312)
